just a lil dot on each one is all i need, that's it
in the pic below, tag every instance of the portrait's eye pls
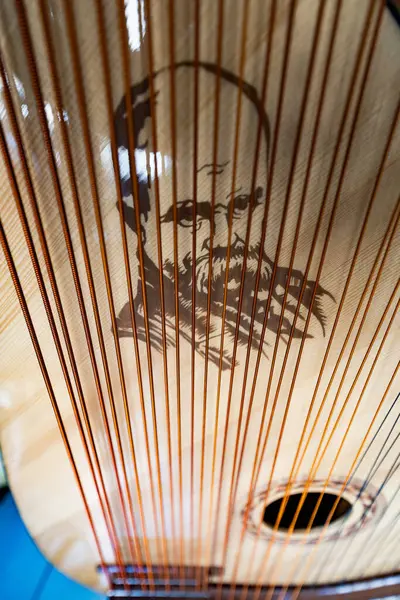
(241, 203)
(186, 220)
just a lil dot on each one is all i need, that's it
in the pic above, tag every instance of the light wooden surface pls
(40, 476)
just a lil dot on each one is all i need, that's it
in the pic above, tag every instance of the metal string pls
(371, 472)
(394, 468)
(26, 40)
(220, 26)
(81, 101)
(117, 176)
(305, 186)
(372, 199)
(317, 279)
(244, 19)
(316, 464)
(133, 172)
(389, 530)
(339, 496)
(174, 158)
(194, 242)
(135, 548)
(46, 377)
(317, 30)
(50, 270)
(254, 478)
(154, 138)
(282, 88)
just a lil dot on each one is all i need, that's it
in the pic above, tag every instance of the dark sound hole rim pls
(272, 509)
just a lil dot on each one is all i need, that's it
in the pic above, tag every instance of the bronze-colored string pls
(81, 412)
(298, 138)
(344, 345)
(209, 288)
(133, 171)
(174, 157)
(106, 511)
(81, 101)
(282, 88)
(314, 469)
(27, 44)
(271, 26)
(319, 220)
(323, 204)
(298, 588)
(322, 259)
(355, 410)
(194, 243)
(117, 176)
(293, 475)
(303, 195)
(220, 28)
(42, 364)
(244, 19)
(154, 139)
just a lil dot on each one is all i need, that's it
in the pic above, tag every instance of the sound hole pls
(307, 510)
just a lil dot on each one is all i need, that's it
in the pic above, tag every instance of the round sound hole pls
(307, 510)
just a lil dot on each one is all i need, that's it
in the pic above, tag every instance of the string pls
(305, 186)
(135, 548)
(290, 337)
(244, 19)
(375, 437)
(117, 177)
(393, 469)
(371, 472)
(81, 101)
(327, 236)
(194, 242)
(154, 138)
(220, 26)
(333, 212)
(27, 44)
(133, 172)
(288, 40)
(372, 199)
(298, 588)
(174, 158)
(389, 530)
(288, 193)
(194, 258)
(50, 391)
(338, 313)
(271, 24)
(316, 464)
(392, 221)
(388, 546)
(313, 469)
(46, 255)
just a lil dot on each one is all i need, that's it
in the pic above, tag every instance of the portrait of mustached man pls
(148, 162)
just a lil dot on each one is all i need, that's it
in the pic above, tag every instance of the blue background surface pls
(24, 573)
